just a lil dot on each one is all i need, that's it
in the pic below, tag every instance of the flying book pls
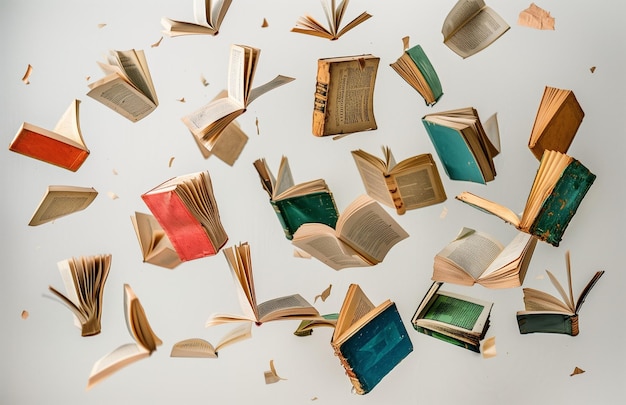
(307, 325)
(63, 146)
(334, 14)
(141, 331)
(412, 183)
(464, 147)
(84, 278)
(155, 246)
(186, 209)
(471, 26)
(364, 234)
(296, 204)
(559, 187)
(344, 95)
(369, 340)
(415, 68)
(558, 118)
(208, 19)
(476, 257)
(290, 307)
(200, 348)
(545, 313)
(209, 121)
(454, 318)
(59, 201)
(127, 87)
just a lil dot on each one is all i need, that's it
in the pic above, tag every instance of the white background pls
(44, 358)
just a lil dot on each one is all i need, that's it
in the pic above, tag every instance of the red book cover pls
(188, 236)
(41, 144)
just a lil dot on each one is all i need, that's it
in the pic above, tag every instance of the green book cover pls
(454, 311)
(448, 339)
(428, 71)
(311, 208)
(561, 205)
(455, 155)
(546, 323)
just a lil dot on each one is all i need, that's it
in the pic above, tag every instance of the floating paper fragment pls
(112, 195)
(102, 25)
(577, 371)
(314, 399)
(25, 314)
(536, 17)
(592, 69)
(444, 212)
(324, 294)
(29, 70)
(203, 80)
(87, 78)
(182, 99)
(264, 24)
(256, 122)
(301, 254)
(114, 172)
(157, 43)
(489, 348)
(271, 376)
(170, 162)
(540, 277)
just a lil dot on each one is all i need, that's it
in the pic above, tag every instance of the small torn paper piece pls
(592, 69)
(324, 294)
(577, 371)
(256, 122)
(264, 24)
(182, 99)
(203, 81)
(157, 43)
(444, 212)
(536, 17)
(25, 314)
(301, 254)
(102, 25)
(112, 195)
(489, 348)
(271, 376)
(29, 70)
(171, 161)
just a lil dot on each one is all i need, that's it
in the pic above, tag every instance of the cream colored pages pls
(321, 242)
(472, 251)
(69, 124)
(120, 96)
(271, 85)
(117, 359)
(199, 120)
(373, 180)
(416, 188)
(513, 251)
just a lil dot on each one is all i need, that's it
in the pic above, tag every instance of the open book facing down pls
(208, 16)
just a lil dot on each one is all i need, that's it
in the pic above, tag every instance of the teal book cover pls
(317, 207)
(418, 56)
(456, 157)
(374, 350)
(548, 323)
(561, 205)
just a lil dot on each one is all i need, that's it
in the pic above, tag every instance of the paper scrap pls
(171, 161)
(114, 172)
(405, 43)
(112, 195)
(29, 70)
(256, 122)
(576, 371)
(489, 348)
(25, 314)
(87, 78)
(271, 376)
(592, 69)
(182, 99)
(301, 254)
(102, 25)
(540, 277)
(264, 24)
(444, 212)
(157, 43)
(314, 399)
(324, 294)
(203, 81)
(536, 17)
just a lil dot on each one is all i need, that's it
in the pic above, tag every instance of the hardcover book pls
(465, 149)
(208, 16)
(186, 209)
(296, 204)
(155, 246)
(369, 340)
(545, 313)
(559, 187)
(59, 201)
(63, 146)
(454, 318)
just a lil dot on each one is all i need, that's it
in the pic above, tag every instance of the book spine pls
(394, 192)
(293, 212)
(354, 379)
(322, 87)
(574, 322)
(283, 220)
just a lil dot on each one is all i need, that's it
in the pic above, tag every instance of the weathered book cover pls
(418, 56)
(548, 323)
(317, 207)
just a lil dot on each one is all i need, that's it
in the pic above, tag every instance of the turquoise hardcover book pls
(415, 68)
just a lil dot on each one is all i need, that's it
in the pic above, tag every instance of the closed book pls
(449, 339)
(548, 323)
(317, 207)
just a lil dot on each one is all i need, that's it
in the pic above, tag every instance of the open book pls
(471, 26)
(186, 209)
(466, 150)
(307, 325)
(412, 183)
(415, 68)
(84, 278)
(476, 257)
(127, 87)
(200, 348)
(454, 318)
(141, 331)
(334, 14)
(364, 235)
(209, 121)
(290, 307)
(59, 201)
(547, 314)
(558, 117)
(156, 247)
(63, 146)
(296, 204)
(560, 184)
(369, 340)
(208, 16)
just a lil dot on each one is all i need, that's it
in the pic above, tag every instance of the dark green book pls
(415, 68)
(559, 187)
(297, 204)
(545, 313)
(372, 345)
(453, 318)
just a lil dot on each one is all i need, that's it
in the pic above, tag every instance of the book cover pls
(375, 349)
(548, 323)
(316, 207)
(448, 339)
(418, 56)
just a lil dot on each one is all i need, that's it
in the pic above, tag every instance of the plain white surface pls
(44, 358)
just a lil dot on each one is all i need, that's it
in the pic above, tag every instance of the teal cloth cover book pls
(416, 69)
(371, 346)
(545, 313)
(453, 318)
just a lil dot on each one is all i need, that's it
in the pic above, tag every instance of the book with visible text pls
(560, 184)
(296, 204)
(63, 146)
(289, 307)
(454, 318)
(208, 16)
(84, 279)
(344, 95)
(186, 209)
(59, 201)
(201, 348)
(127, 87)
(334, 15)
(412, 183)
(415, 68)
(364, 234)
(155, 246)
(369, 340)
(545, 313)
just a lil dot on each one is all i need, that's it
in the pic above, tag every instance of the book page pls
(131, 65)
(69, 124)
(57, 203)
(200, 121)
(355, 306)
(117, 359)
(288, 306)
(462, 12)
(420, 186)
(202, 12)
(236, 75)
(194, 348)
(472, 252)
(237, 334)
(478, 33)
(489, 207)
(122, 97)
(243, 283)
(264, 88)
(513, 251)
(284, 178)
(372, 177)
